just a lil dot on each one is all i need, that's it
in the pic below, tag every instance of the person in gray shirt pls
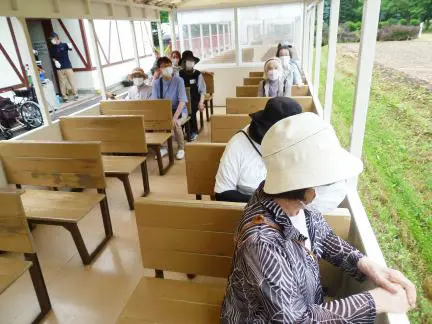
(141, 88)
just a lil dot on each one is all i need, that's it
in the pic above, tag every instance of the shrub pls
(392, 21)
(398, 33)
(414, 22)
(383, 24)
(403, 21)
(348, 37)
(357, 25)
(350, 26)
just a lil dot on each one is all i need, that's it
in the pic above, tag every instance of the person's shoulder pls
(239, 142)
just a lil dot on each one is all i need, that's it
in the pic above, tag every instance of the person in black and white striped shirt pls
(275, 275)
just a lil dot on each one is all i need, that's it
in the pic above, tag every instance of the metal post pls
(320, 22)
(304, 37)
(371, 9)
(224, 37)
(134, 43)
(190, 37)
(181, 35)
(217, 39)
(237, 39)
(161, 46)
(331, 61)
(211, 40)
(99, 69)
(202, 41)
(311, 42)
(173, 32)
(34, 72)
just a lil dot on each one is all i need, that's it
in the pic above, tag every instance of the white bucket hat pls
(303, 151)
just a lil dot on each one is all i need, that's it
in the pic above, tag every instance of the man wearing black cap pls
(242, 169)
(60, 57)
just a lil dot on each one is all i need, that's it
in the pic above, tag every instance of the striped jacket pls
(275, 280)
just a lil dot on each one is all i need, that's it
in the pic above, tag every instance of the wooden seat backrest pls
(157, 113)
(258, 74)
(198, 236)
(252, 91)
(187, 236)
(223, 127)
(14, 231)
(248, 105)
(247, 91)
(202, 162)
(252, 81)
(53, 164)
(118, 134)
(209, 81)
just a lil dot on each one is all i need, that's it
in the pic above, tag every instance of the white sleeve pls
(229, 168)
(329, 197)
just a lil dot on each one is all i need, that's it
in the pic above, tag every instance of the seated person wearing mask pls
(275, 84)
(170, 86)
(242, 169)
(141, 88)
(195, 81)
(275, 277)
(290, 68)
(175, 59)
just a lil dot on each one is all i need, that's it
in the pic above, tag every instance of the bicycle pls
(24, 111)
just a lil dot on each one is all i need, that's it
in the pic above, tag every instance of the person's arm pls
(182, 98)
(202, 89)
(232, 196)
(155, 88)
(228, 174)
(283, 299)
(296, 75)
(260, 89)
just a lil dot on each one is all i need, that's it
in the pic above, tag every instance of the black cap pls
(188, 55)
(53, 35)
(276, 109)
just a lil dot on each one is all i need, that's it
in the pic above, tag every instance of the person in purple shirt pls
(60, 57)
(170, 86)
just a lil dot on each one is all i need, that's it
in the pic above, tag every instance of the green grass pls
(396, 184)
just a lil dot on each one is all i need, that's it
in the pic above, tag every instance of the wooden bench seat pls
(252, 91)
(62, 165)
(223, 127)
(173, 301)
(123, 136)
(249, 105)
(196, 237)
(15, 237)
(11, 270)
(157, 120)
(208, 98)
(59, 206)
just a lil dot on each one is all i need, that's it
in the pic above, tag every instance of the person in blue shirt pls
(170, 86)
(60, 57)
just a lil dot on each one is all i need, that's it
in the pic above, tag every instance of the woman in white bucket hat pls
(275, 273)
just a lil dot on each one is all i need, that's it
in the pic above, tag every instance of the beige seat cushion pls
(173, 301)
(157, 138)
(11, 270)
(59, 205)
(121, 164)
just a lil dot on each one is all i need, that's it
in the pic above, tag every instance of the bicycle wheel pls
(31, 115)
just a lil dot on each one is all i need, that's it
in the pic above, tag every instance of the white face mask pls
(147, 82)
(189, 65)
(273, 75)
(54, 41)
(167, 72)
(175, 61)
(138, 81)
(285, 61)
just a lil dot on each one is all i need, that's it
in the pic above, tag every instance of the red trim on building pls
(85, 43)
(23, 76)
(118, 37)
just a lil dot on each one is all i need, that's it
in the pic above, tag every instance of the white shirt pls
(299, 222)
(241, 168)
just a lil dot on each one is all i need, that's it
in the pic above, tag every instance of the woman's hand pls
(201, 105)
(388, 279)
(386, 302)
